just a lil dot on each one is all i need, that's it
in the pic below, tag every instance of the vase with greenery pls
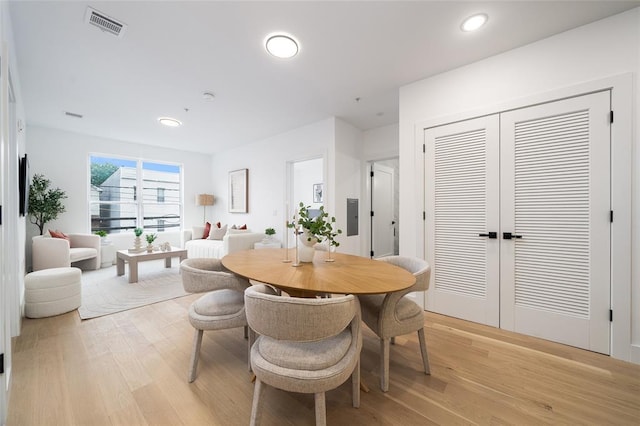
(103, 236)
(314, 230)
(269, 232)
(150, 239)
(45, 202)
(137, 244)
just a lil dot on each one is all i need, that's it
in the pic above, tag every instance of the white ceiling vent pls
(104, 22)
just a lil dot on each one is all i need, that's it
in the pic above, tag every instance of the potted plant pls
(269, 232)
(137, 244)
(45, 203)
(312, 230)
(103, 236)
(150, 239)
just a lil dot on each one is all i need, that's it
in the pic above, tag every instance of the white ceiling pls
(173, 51)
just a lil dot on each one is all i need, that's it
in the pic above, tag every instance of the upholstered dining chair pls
(222, 306)
(305, 345)
(393, 314)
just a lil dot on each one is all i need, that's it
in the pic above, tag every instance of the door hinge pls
(611, 216)
(424, 215)
(610, 116)
(610, 315)
(371, 173)
(0, 215)
(424, 149)
(371, 253)
(1, 363)
(371, 213)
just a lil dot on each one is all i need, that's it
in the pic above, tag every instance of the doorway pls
(305, 184)
(384, 199)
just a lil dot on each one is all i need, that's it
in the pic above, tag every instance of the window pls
(126, 194)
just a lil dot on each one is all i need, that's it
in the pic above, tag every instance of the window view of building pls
(126, 194)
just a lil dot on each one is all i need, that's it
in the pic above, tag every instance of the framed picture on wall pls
(317, 192)
(239, 191)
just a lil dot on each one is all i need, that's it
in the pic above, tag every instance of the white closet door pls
(461, 181)
(555, 184)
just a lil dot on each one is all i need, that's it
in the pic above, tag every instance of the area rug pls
(104, 293)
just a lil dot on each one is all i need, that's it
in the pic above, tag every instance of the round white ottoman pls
(50, 292)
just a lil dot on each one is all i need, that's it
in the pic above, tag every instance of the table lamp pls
(204, 200)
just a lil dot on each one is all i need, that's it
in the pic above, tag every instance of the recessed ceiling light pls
(208, 96)
(168, 121)
(474, 22)
(281, 46)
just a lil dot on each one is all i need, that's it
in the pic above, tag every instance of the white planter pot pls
(305, 247)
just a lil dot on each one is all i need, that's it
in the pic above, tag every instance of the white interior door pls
(462, 222)
(555, 192)
(382, 203)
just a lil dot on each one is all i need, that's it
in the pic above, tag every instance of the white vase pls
(305, 247)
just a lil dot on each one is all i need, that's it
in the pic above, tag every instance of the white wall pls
(63, 158)
(593, 52)
(380, 143)
(267, 163)
(346, 161)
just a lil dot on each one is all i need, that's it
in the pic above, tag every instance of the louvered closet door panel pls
(555, 194)
(462, 202)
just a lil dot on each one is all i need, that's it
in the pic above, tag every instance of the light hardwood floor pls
(131, 369)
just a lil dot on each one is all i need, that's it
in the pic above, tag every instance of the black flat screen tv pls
(23, 185)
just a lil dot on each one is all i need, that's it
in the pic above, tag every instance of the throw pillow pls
(237, 231)
(207, 229)
(217, 234)
(58, 234)
(243, 226)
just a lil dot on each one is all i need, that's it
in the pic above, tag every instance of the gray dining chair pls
(222, 307)
(393, 314)
(306, 345)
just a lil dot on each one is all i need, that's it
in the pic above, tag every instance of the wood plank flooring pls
(130, 368)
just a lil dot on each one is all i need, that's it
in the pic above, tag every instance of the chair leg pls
(256, 407)
(321, 409)
(423, 349)
(252, 339)
(355, 385)
(195, 354)
(384, 364)
(246, 331)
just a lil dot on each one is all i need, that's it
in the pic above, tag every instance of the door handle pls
(509, 235)
(491, 235)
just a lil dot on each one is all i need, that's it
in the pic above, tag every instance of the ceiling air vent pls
(104, 22)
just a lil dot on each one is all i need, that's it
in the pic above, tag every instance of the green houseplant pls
(316, 229)
(45, 203)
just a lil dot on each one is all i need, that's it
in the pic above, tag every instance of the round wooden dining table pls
(347, 274)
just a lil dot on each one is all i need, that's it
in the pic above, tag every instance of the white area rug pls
(104, 293)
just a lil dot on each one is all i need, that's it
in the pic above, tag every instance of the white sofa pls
(234, 240)
(81, 250)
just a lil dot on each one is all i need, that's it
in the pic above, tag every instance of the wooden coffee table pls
(134, 258)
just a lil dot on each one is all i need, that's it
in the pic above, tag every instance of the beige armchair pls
(393, 314)
(81, 250)
(222, 306)
(305, 345)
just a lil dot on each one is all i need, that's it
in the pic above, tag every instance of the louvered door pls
(462, 177)
(555, 195)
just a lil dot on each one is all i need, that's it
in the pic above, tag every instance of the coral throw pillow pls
(207, 229)
(58, 234)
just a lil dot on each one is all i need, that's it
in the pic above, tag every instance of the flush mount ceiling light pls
(170, 122)
(474, 22)
(281, 46)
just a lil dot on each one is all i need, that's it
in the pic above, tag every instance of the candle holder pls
(296, 227)
(286, 244)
